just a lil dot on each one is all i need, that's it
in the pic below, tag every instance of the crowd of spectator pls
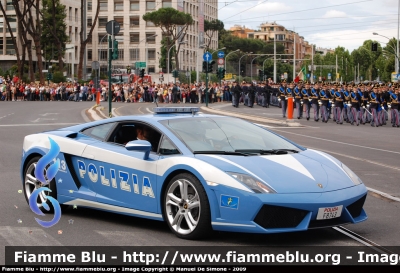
(16, 90)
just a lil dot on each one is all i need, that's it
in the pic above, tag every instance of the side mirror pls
(139, 146)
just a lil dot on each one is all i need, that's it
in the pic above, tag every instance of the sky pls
(325, 23)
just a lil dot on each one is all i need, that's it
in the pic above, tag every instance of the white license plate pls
(329, 213)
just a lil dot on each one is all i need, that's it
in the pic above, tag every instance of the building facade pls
(8, 52)
(269, 31)
(240, 31)
(140, 41)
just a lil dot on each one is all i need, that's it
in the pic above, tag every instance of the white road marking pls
(148, 110)
(383, 194)
(282, 127)
(40, 119)
(358, 158)
(45, 115)
(359, 239)
(6, 115)
(344, 143)
(38, 124)
(21, 236)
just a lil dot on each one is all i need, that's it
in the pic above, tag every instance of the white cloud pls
(334, 14)
(328, 31)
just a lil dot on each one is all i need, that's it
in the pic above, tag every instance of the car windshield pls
(220, 134)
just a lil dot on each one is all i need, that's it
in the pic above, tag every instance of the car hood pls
(304, 172)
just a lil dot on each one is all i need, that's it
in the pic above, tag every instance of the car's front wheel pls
(31, 183)
(186, 207)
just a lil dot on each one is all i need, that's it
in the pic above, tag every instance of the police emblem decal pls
(228, 201)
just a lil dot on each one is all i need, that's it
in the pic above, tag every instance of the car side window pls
(167, 147)
(99, 132)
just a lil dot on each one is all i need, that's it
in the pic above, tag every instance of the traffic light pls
(374, 47)
(222, 73)
(175, 73)
(49, 76)
(205, 65)
(210, 66)
(141, 74)
(128, 69)
(115, 51)
(261, 74)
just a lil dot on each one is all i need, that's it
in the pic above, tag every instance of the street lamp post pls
(137, 47)
(197, 62)
(240, 60)
(185, 42)
(99, 52)
(264, 64)
(251, 64)
(226, 57)
(275, 58)
(217, 50)
(397, 49)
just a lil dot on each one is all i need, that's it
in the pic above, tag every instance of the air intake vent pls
(279, 217)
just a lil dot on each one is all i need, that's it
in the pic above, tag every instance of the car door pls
(73, 166)
(120, 177)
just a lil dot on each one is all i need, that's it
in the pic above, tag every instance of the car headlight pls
(356, 180)
(253, 183)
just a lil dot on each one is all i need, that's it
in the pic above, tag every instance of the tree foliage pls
(54, 37)
(211, 28)
(164, 53)
(173, 24)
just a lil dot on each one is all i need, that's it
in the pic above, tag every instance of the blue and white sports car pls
(198, 173)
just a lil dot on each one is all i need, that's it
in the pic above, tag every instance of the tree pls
(53, 16)
(21, 10)
(211, 28)
(173, 24)
(83, 42)
(20, 62)
(34, 28)
(164, 53)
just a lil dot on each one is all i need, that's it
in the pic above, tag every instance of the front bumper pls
(276, 213)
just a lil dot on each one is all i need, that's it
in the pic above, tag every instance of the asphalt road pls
(352, 145)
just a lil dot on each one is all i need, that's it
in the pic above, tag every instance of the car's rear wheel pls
(31, 183)
(186, 207)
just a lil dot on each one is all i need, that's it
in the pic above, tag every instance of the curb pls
(286, 123)
(96, 114)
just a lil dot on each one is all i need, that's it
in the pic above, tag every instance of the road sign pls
(282, 76)
(221, 54)
(109, 27)
(207, 57)
(221, 61)
(140, 65)
(315, 77)
(45, 71)
(228, 76)
(329, 76)
(308, 76)
(285, 75)
(95, 65)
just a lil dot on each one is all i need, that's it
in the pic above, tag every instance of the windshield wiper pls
(262, 152)
(222, 153)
